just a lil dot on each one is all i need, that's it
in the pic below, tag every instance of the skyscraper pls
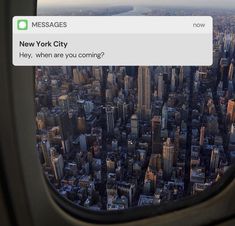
(173, 80)
(181, 77)
(81, 124)
(214, 163)
(168, 157)
(156, 134)
(120, 104)
(110, 119)
(58, 166)
(230, 89)
(231, 146)
(125, 111)
(155, 161)
(78, 77)
(160, 86)
(127, 83)
(111, 79)
(231, 70)
(64, 102)
(177, 144)
(83, 142)
(202, 135)
(134, 126)
(164, 116)
(224, 67)
(231, 110)
(98, 73)
(144, 93)
(65, 130)
(45, 146)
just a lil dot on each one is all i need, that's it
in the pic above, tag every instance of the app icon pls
(22, 24)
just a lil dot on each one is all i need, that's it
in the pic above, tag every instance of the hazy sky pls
(198, 3)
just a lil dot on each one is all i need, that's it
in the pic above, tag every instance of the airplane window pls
(111, 138)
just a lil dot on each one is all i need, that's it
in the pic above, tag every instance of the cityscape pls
(111, 138)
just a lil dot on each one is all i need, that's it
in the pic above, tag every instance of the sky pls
(186, 3)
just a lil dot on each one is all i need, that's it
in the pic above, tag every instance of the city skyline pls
(111, 138)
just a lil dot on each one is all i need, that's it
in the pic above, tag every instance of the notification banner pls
(116, 40)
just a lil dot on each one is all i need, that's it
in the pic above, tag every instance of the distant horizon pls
(216, 4)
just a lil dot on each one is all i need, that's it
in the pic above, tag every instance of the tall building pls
(150, 180)
(168, 157)
(109, 95)
(230, 89)
(65, 130)
(155, 162)
(128, 190)
(41, 120)
(164, 116)
(127, 83)
(110, 119)
(231, 146)
(125, 112)
(134, 126)
(88, 107)
(181, 77)
(58, 166)
(111, 163)
(78, 77)
(81, 124)
(111, 79)
(45, 146)
(98, 73)
(131, 145)
(160, 87)
(173, 80)
(177, 144)
(64, 102)
(83, 142)
(224, 65)
(214, 163)
(120, 109)
(231, 71)
(231, 110)
(144, 93)
(156, 134)
(202, 135)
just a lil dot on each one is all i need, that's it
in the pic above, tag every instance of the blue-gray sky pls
(193, 3)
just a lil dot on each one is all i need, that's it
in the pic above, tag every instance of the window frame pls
(33, 202)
